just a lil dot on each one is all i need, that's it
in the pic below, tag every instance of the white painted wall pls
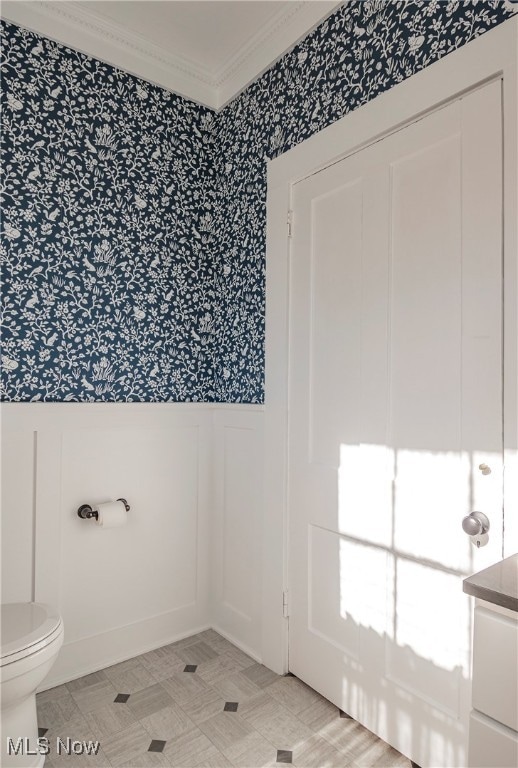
(189, 555)
(236, 524)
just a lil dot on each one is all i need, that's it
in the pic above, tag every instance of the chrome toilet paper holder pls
(85, 511)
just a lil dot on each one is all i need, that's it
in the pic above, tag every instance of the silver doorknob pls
(475, 524)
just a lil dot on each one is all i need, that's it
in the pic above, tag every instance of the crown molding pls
(85, 31)
(268, 45)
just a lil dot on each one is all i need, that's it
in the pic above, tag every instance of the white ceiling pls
(208, 33)
(206, 50)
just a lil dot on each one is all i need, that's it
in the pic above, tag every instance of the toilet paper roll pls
(112, 514)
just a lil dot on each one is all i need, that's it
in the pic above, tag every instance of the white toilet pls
(32, 634)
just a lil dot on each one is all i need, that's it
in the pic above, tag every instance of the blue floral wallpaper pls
(133, 231)
(107, 291)
(364, 48)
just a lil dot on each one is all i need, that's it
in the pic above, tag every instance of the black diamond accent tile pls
(121, 698)
(414, 765)
(156, 746)
(284, 756)
(344, 714)
(289, 674)
(42, 732)
(191, 668)
(230, 706)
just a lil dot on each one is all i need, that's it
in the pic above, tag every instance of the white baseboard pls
(100, 651)
(237, 643)
(94, 653)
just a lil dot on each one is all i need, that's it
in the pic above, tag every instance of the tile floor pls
(203, 702)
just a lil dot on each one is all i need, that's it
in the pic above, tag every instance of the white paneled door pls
(395, 402)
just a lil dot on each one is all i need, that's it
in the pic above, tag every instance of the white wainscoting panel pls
(18, 446)
(120, 591)
(237, 526)
(188, 557)
(156, 567)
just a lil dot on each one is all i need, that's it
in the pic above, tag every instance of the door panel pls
(395, 400)
(425, 261)
(327, 590)
(336, 301)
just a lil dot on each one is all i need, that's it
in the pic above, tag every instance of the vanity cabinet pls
(493, 733)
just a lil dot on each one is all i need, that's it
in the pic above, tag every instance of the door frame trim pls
(492, 55)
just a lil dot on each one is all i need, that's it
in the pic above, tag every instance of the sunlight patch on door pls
(431, 496)
(366, 580)
(365, 479)
(430, 652)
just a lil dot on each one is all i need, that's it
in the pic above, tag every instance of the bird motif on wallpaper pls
(13, 102)
(52, 216)
(11, 232)
(8, 364)
(51, 340)
(415, 42)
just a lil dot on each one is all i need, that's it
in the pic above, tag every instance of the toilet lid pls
(24, 625)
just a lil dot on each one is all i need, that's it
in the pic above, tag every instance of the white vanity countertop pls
(497, 584)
